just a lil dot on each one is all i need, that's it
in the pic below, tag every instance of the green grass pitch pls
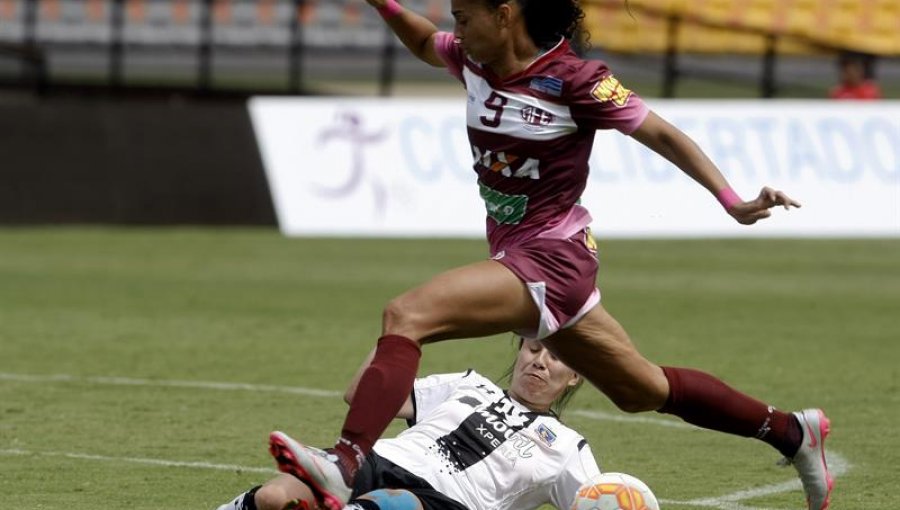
(144, 368)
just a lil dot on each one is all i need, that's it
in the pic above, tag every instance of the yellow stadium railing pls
(735, 26)
(768, 28)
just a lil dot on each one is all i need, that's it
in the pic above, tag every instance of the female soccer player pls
(471, 445)
(532, 110)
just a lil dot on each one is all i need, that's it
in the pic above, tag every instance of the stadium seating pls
(736, 26)
(635, 26)
(326, 23)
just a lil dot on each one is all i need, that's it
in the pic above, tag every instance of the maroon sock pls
(382, 390)
(701, 399)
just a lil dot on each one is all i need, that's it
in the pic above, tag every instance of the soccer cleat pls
(317, 467)
(809, 461)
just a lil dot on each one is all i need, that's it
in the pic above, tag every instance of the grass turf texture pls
(797, 323)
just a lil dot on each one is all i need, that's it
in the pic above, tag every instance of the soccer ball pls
(614, 491)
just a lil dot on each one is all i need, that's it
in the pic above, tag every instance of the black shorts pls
(380, 473)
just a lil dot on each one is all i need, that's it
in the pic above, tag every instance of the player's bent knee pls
(401, 317)
(649, 396)
(395, 314)
(283, 492)
(271, 497)
(386, 499)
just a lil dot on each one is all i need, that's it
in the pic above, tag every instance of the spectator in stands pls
(857, 77)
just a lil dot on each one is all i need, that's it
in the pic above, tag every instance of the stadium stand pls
(326, 23)
(285, 32)
(707, 26)
(734, 26)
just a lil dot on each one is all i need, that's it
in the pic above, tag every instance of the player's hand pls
(748, 213)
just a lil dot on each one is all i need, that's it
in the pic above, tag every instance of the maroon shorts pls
(561, 275)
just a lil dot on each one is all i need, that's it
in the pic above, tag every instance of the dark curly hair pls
(548, 20)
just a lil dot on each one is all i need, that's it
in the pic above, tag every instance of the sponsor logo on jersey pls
(534, 116)
(548, 85)
(503, 208)
(610, 90)
(518, 447)
(546, 434)
(502, 162)
(483, 432)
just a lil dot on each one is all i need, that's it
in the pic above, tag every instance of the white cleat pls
(317, 467)
(810, 459)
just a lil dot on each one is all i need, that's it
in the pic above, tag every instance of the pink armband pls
(391, 8)
(728, 198)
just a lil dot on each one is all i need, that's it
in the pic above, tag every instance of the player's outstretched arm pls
(415, 31)
(672, 144)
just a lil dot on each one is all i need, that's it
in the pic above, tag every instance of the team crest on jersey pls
(546, 435)
(535, 117)
(610, 89)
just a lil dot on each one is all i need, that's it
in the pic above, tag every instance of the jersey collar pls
(528, 411)
(546, 57)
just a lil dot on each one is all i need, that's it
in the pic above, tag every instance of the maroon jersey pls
(531, 136)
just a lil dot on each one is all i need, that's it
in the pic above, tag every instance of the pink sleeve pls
(451, 53)
(599, 101)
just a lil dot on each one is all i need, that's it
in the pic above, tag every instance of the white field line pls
(139, 460)
(294, 390)
(838, 464)
(203, 385)
(602, 416)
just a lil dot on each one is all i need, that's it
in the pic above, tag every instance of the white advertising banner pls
(392, 167)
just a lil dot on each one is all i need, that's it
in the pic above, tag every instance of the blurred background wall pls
(134, 111)
(130, 161)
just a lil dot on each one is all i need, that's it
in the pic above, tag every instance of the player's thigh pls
(279, 491)
(599, 348)
(476, 300)
(393, 499)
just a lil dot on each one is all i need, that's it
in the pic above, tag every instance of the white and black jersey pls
(475, 444)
